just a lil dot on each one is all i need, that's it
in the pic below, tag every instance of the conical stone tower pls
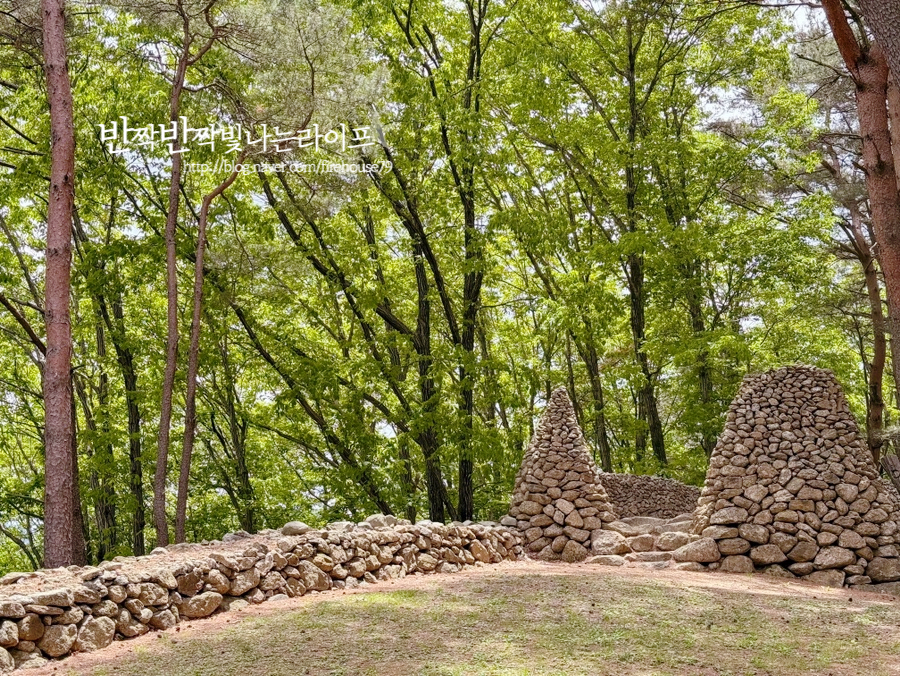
(558, 500)
(792, 487)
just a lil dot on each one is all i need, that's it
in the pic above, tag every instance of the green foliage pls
(585, 142)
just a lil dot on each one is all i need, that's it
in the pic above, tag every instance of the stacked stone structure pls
(640, 495)
(558, 500)
(792, 487)
(52, 613)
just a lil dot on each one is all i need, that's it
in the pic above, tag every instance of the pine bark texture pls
(61, 509)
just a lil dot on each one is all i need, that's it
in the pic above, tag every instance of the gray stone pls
(883, 570)
(671, 541)
(606, 560)
(95, 633)
(764, 555)
(574, 552)
(608, 542)
(826, 578)
(703, 550)
(834, 557)
(729, 515)
(9, 634)
(201, 605)
(736, 564)
(58, 639)
(295, 528)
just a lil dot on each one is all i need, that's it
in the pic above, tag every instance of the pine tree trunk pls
(62, 515)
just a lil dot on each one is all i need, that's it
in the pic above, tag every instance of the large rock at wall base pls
(426, 562)
(25, 660)
(767, 554)
(826, 578)
(480, 552)
(703, 550)
(95, 633)
(294, 587)
(834, 557)
(244, 582)
(736, 564)
(606, 542)
(803, 551)
(574, 552)
(691, 566)
(883, 570)
(58, 639)
(606, 560)
(200, 605)
(7, 663)
(232, 603)
(313, 578)
(128, 626)
(163, 619)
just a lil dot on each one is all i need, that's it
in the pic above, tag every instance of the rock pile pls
(52, 613)
(558, 500)
(638, 495)
(792, 488)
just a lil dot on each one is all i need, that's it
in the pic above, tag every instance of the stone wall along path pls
(792, 488)
(558, 500)
(50, 613)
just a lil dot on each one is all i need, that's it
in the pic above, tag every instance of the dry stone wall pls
(638, 495)
(792, 489)
(558, 500)
(52, 613)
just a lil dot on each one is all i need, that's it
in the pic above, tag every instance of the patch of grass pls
(518, 624)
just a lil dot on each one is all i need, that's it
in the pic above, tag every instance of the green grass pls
(516, 624)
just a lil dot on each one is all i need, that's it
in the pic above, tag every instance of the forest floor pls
(531, 618)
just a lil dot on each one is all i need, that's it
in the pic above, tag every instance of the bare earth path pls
(531, 618)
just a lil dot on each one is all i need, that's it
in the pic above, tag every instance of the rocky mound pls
(640, 495)
(792, 488)
(558, 499)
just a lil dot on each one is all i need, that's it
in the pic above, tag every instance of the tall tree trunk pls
(190, 401)
(869, 71)
(61, 508)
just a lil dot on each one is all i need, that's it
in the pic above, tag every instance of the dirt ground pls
(531, 618)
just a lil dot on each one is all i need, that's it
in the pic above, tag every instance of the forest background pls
(642, 201)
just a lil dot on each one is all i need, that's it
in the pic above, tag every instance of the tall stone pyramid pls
(792, 487)
(558, 500)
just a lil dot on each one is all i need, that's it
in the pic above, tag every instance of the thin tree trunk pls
(190, 407)
(160, 522)
(875, 409)
(648, 411)
(61, 508)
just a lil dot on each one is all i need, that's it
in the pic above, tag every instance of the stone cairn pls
(639, 495)
(558, 500)
(792, 488)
